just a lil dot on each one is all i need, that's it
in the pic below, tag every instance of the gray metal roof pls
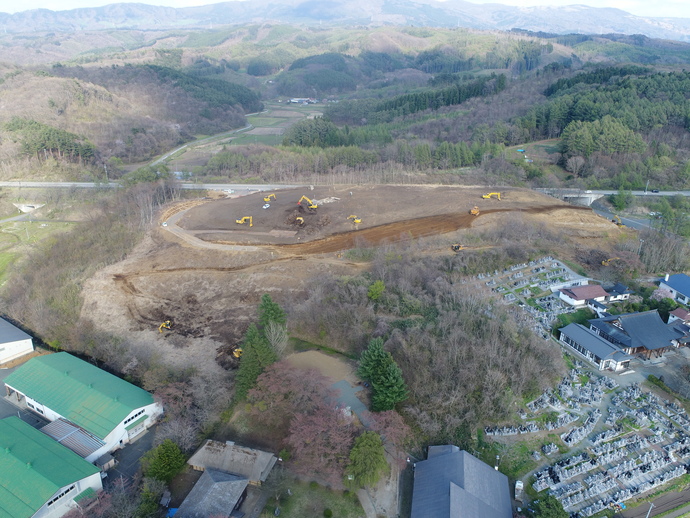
(453, 483)
(76, 439)
(232, 458)
(10, 333)
(594, 343)
(215, 494)
(645, 329)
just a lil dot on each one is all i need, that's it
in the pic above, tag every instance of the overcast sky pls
(673, 8)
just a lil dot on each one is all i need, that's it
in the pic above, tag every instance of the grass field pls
(17, 238)
(311, 499)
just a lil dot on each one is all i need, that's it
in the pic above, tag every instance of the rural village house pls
(216, 493)
(679, 316)
(454, 483)
(228, 470)
(679, 285)
(92, 412)
(579, 295)
(40, 478)
(638, 333)
(594, 348)
(13, 342)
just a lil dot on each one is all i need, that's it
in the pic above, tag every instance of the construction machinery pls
(607, 262)
(299, 220)
(310, 204)
(457, 247)
(474, 211)
(165, 325)
(354, 219)
(490, 195)
(244, 220)
(617, 220)
(268, 198)
(237, 352)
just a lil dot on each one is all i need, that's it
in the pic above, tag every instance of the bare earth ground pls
(206, 273)
(203, 277)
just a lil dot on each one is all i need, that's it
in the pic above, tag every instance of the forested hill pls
(128, 113)
(431, 13)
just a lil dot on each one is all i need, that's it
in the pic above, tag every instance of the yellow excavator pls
(617, 220)
(299, 220)
(607, 262)
(237, 352)
(474, 211)
(457, 247)
(490, 195)
(244, 220)
(354, 219)
(268, 198)
(165, 325)
(310, 204)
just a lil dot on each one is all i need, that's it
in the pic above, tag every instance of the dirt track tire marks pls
(414, 228)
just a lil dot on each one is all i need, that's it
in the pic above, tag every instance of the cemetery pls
(622, 442)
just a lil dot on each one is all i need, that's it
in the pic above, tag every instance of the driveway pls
(128, 458)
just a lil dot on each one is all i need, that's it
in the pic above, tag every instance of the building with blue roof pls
(679, 285)
(454, 483)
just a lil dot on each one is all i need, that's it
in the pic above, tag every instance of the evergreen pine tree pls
(389, 389)
(373, 360)
(270, 311)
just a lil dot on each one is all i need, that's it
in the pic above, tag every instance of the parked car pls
(655, 190)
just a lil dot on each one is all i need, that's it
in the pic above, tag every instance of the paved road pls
(185, 185)
(573, 192)
(662, 505)
(636, 223)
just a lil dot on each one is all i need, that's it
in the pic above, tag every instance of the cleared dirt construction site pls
(206, 273)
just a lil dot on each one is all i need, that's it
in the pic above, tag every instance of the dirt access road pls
(208, 282)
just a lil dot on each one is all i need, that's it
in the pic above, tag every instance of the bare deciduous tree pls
(277, 337)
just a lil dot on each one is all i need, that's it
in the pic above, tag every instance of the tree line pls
(41, 141)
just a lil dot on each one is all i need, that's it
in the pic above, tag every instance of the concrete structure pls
(593, 348)
(254, 465)
(39, 478)
(91, 411)
(578, 295)
(638, 333)
(678, 285)
(215, 494)
(13, 342)
(454, 484)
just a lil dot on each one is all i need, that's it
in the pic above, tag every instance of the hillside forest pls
(396, 105)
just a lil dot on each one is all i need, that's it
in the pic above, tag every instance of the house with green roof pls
(40, 478)
(105, 412)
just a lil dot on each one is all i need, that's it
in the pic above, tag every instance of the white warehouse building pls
(91, 411)
(13, 342)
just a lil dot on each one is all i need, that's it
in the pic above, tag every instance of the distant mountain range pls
(453, 13)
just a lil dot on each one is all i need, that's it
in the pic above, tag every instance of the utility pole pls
(646, 186)
(651, 505)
